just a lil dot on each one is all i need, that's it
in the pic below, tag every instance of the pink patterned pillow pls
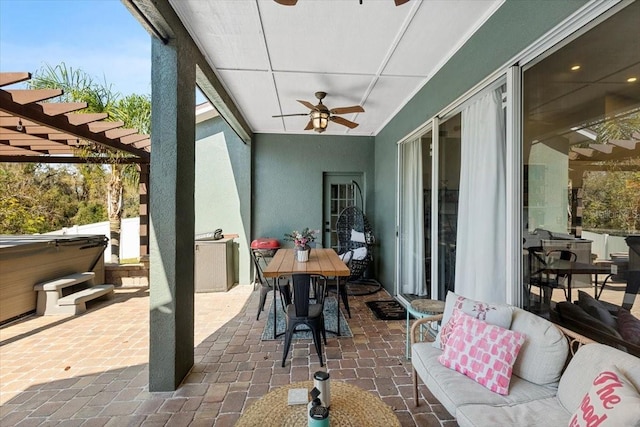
(483, 352)
(499, 315)
(611, 401)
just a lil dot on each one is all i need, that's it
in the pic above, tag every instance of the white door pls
(340, 190)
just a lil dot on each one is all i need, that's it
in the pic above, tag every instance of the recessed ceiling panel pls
(255, 95)
(332, 36)
(228, 32)
(387, 97)
(437, 31)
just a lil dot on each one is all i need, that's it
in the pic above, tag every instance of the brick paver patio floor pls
(92, 369)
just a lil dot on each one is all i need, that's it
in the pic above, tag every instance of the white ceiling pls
(374, 54)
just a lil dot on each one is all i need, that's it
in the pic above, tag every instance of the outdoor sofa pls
(549, 385)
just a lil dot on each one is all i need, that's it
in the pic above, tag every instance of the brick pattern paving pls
(92, 370)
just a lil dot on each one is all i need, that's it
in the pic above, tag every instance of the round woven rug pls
(351, 406)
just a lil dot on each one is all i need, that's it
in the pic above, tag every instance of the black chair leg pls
(317, 340)
(324, 331)
(287, 343)
(264, 291)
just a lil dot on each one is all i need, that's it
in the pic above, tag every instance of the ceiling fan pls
(293, 2)
(320, 115)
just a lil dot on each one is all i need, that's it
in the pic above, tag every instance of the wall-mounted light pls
(632, 79)
(575, 67)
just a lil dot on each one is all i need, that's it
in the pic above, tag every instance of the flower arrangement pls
(301, 238)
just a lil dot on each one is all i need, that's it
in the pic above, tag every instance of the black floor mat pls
(388, 310)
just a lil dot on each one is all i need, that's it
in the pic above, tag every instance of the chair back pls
(303, 284)
(258, 262)
(562, 254)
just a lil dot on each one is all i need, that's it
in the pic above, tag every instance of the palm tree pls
(133, 110)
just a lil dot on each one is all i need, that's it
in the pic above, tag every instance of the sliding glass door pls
(451, 203)
(581, 166)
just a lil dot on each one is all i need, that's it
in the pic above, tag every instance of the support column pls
(171, 212)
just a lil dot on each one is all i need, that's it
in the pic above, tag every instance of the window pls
(581, 173)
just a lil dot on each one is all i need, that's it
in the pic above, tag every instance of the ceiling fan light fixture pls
(320, 120)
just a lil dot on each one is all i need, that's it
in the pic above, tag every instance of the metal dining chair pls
(306, 308)
(260, 261)
(549, 281)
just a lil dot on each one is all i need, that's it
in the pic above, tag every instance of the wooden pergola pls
(36, 131)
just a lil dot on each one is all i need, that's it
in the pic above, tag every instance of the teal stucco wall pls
(288, 178)
(223, 189)
(511, 29)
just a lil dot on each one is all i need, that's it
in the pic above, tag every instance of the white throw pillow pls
(357, 236)
(360, 253)
(611, 401)
(494, 314)
(346, 257)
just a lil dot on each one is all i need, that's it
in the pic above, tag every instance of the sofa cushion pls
(453, 389)
(588, 362)
(611, 401)
(495, 314)
(544, 343)
(483, 352)
(596, 309)
(535, 413)
(629, 326)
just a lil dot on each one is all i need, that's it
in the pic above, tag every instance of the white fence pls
(129, 236)
(604, 244)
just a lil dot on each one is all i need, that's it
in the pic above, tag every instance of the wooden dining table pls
(321, 261)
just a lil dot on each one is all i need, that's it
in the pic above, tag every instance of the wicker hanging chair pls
(353, 219)
(353, 222)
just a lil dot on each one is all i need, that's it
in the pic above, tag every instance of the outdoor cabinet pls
(214, 271)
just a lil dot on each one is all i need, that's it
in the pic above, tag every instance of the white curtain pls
(480, 246)
(411, 245)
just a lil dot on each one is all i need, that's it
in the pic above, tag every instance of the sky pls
(99, 37)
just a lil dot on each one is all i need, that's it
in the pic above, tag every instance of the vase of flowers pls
(301, 240)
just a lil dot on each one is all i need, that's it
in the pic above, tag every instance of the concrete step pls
(63, 282)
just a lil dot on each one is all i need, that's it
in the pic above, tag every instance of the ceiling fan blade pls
(343, 122)
(287, 2)
(307, 104)
(398, 2)
(290, 115)
(347, 110)
(309, 125)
